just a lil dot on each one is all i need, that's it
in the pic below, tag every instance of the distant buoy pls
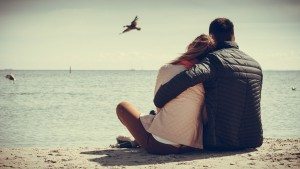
(10, 77)
(293, 88)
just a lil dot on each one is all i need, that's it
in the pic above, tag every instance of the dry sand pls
(275, 153)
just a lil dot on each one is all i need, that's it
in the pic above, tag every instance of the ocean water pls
(56, 108)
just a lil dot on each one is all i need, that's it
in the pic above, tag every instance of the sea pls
(56, 108)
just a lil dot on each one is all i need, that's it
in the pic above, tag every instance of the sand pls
(275, 153)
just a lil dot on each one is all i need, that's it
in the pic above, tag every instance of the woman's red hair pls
(202, 45)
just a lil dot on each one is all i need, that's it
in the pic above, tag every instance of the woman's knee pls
(121, 108)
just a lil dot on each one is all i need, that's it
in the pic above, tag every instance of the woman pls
(177, 127)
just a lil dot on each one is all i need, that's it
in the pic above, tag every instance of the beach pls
(274, 153)
(65, 67)
(69, 122)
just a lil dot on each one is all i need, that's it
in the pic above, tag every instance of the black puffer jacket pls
(232, 82)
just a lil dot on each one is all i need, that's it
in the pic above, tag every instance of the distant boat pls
(293, 88)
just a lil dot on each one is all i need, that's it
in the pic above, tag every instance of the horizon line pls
(118, 70)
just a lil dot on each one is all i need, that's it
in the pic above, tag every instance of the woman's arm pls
(195, 75)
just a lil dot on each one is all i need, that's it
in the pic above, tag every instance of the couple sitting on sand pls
(208, 98)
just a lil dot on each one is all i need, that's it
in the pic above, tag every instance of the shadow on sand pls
(134, 157)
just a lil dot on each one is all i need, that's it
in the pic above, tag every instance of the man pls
(232, 82)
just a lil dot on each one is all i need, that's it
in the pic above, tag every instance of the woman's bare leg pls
(129, 116)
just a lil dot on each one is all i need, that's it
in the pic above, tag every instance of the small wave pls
(21, 93)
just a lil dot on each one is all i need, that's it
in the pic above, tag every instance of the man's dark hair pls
(222, 29)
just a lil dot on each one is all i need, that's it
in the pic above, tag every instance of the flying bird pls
(131, 26)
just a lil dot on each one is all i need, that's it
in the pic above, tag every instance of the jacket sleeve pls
(182, 81)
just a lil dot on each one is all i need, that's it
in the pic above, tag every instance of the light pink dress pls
(179, 121)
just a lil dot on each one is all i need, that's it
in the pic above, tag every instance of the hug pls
(207, 98)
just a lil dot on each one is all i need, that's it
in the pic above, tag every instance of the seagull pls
(131, 26)
(10, 77)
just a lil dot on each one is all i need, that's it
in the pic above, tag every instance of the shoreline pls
(274, 153)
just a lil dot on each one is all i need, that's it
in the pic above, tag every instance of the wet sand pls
(275, 153)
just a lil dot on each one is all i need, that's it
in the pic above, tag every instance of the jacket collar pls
(227, 44)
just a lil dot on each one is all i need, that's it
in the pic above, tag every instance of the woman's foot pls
(122, 139)
(125, 142)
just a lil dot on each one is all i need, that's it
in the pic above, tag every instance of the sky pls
(57, 34)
